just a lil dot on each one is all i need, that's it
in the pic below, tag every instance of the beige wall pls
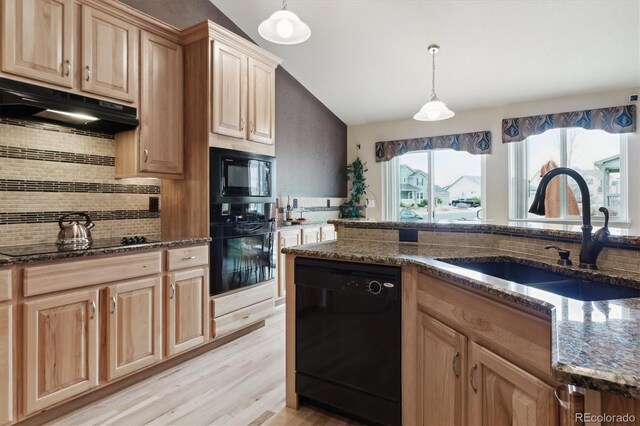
(495, 166)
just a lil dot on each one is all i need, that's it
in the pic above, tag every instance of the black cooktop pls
(44, 248)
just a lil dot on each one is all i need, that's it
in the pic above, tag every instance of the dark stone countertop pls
(594, 344)
(102, 246)
(619, 238)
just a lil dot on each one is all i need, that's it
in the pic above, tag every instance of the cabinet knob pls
(88, 77)
(113, 304)
(173, 291)
(189, 258)
(247, 316)
(472, 378)
(67, 65)
(94, 309)
(242, 124)
(251, 126)
(146, 155)
(456, 364)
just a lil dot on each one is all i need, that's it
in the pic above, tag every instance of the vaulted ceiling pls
(367, 59)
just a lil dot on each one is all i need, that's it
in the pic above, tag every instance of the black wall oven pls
(241, 177)
(242, 252)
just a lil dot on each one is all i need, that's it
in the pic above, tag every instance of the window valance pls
(473, 143)
(621, 119)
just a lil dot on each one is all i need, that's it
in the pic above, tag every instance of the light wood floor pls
(240, 383)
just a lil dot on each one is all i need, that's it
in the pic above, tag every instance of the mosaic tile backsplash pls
(48, 170)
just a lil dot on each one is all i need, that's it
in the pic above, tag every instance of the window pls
(442, 185)
(598, 156)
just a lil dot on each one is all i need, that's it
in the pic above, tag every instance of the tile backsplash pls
(48, 170)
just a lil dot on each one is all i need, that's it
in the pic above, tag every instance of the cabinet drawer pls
(524, 337)
(187, 257)
(227, 303)
(5, 285)
(241, 318)
(74, 274)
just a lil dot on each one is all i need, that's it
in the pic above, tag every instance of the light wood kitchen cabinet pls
(109, 55)
(156, 147)
(441, 371)
(187, 309)
(6, 364)
(37, 40)
(60, 337)
(134, 326)
(502, 393)
(285, 239)
(229, 90)
(328, 233)
(310, 235)
(262, 102)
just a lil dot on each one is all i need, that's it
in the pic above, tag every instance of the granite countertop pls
(619, 238)
(595, 344)
(102, 246)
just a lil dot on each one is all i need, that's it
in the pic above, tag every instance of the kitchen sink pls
(553, 282)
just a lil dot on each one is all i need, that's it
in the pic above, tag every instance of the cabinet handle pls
(242, 124)
(88, 73)
(251, 126)
(456, 364)
(247, 316)
(94, 309)
(67, 67)
(189, 258)
(146, 155)
(113, 304)
(472, 378)
(173, 291)
(563, 404)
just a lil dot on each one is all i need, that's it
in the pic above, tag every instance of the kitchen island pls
(481, 337)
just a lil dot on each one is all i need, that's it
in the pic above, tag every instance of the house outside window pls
(451, 192)
(599, 157)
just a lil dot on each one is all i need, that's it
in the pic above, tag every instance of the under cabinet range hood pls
(23, 100)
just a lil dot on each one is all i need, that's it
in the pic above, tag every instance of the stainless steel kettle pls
(75, 234)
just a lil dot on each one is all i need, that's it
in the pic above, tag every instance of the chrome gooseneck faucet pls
(591, 245)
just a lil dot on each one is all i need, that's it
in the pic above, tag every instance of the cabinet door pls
(61, 347)
(502, 394)
(161, 122)
(109, 55)
(6, 364)
(441, 374)
(134, 326)
(37, 40)
(187, 310)
(310, 235)
(286, 239)
(229, 91)
(262, 102)
(327, 233)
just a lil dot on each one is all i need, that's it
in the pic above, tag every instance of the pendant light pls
(284, 27)
(435, 109)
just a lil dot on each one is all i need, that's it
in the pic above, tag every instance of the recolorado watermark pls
(605, 418)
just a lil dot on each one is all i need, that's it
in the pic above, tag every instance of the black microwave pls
(241, 177)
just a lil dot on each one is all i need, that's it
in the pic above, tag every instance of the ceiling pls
(367, 60)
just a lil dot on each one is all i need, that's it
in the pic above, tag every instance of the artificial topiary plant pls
(355, 172)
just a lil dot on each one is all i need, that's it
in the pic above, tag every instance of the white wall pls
(495, 166)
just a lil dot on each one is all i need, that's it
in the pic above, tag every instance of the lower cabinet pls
(310, 235)
(60, 348)
(134, 326)
(442, 358)
(285, 239)
(502, 394)
(6, 364)
(187, 296)
(238, 309)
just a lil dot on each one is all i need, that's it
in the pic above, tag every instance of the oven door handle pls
(254, 229)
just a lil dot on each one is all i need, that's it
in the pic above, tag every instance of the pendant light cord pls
(284, 4)
(433, 76)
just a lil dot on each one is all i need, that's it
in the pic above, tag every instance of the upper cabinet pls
(262, 102)
(109, 55)
(229, 88)
(37, 40)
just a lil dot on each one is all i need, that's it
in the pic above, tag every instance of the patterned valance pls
(474, 143)
(620, 119)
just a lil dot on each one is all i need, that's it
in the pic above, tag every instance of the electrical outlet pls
(154, 204)
(295, 203)
(633, 98)
(328, 202)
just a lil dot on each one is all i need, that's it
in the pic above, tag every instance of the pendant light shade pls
(435, 109)
(284, 27)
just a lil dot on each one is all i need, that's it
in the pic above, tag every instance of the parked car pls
(408, 215)
(465, 202)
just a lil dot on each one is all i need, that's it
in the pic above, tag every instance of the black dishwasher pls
(348, 338)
